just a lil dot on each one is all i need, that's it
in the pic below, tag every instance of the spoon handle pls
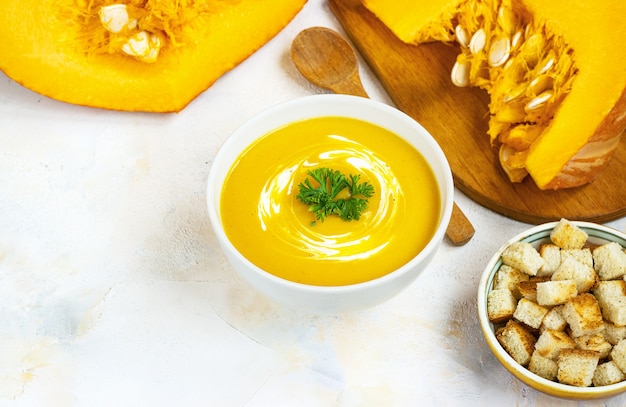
(351, 86)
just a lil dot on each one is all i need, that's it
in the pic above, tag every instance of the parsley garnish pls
(323, 199)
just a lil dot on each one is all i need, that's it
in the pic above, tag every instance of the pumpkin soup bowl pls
(536, 236)
(278, 241)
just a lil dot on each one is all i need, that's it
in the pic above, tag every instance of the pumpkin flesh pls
(557, 93)
(60, 49)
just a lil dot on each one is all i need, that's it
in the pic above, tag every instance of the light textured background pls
(113, 290)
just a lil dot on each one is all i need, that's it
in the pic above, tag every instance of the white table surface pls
(114, 292)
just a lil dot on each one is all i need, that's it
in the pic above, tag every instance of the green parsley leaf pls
(323, 197)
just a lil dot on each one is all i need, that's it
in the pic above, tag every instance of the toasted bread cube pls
(566, 235)
(570, 269)
(607, 373)
(610, 261)
(530, 313)
(542, 366)
(583, 315)
(613, 333)
(618, 355)
(615, 311)
(595, 342)
(550, 293)
(550, 343)
(605, 291)
(577, 366)
(611, 295)
(517, 341)
(524, 257)
(528, 289)
(583, 255)
(551, 255)
(501, 305)
(554, 320)
(509, 277)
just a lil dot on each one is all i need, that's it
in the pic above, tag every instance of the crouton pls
(501, 305)
(618, 355)
(611, 295)
(517, 341)
(583, 315)
(542, 366)
(615, 311)
(610, 261)
(595, 342)
(550, 293)
(529, 313)
(605, 291)
(509, 277)
(607, 373)
(583, 255)
(577, 366)
(528, 289)
(566, 235)
(613, 333)
(550, 343)
(553, 320)
(524, 257)
(551, 255)
(570, 269)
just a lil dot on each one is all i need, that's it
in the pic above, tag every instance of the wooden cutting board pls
(417, 79)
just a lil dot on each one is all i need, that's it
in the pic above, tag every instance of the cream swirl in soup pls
(278, 233)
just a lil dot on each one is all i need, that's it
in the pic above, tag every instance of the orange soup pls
(277, 232)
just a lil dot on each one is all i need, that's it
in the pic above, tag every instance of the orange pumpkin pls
(139, 55)
(554, 70)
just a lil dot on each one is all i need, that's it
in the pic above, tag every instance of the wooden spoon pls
(327, 60)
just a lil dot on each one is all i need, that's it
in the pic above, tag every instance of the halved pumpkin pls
(134, 55)
(554, 69)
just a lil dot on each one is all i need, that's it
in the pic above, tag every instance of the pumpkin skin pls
(571, 145)
(48, 46)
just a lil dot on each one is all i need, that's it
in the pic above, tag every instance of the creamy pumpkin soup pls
(281, 234)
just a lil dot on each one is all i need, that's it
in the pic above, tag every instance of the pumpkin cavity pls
(526, 68)
(138, 29)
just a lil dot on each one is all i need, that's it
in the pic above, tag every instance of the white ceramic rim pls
(534, 234)
(334, 105)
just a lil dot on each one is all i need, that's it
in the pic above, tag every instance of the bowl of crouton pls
(552, 308)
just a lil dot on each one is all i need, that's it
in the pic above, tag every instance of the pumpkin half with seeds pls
(134, 55)
(555, 72)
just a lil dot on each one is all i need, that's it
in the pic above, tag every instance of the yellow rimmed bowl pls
(537, 235)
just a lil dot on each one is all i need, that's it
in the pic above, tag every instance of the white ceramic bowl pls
(333, 298)
(537, 235)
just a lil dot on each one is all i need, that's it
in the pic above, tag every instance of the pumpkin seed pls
(541, 84)
(499, 52)
(515, 70)
(514, 173)
(547, 63)
(461, 36)
(532, 48)
(115, 18)
(538, 101)
(517, 38)
(477, 43)
(461, 73)
(143, 46)
(515, 92)
(506, 20)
